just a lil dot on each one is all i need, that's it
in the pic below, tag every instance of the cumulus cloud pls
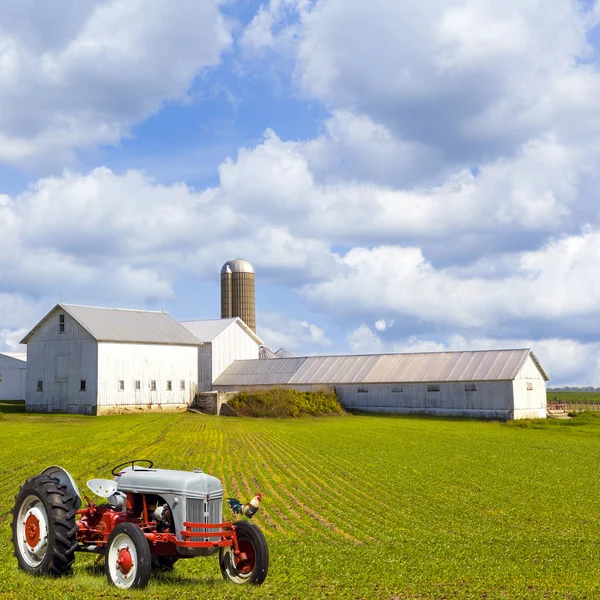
(470, 78)
(281, 331)
(125, 237)
(79, 74)
(364, 341)
(545, 286)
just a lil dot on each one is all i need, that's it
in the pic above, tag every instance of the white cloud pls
(364, 341)
(468, 77)
(281, 331)
(548, 285)
(85, 73)
(382, 324)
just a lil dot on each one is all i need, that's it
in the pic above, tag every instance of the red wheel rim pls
(32, 531)
(246, 566)
(124, 562)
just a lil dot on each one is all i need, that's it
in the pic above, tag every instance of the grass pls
(354, 507)
(281, 402)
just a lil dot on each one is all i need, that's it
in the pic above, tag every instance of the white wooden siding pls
(145, 362)
(493, 399)
(61, 361)
(529, 404)
(13, 373)
(232, 344)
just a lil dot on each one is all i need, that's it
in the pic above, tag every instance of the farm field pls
(584, 397)
(354, 507)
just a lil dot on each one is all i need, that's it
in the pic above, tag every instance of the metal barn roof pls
(124, 325)
(486, 365)
(14, 358)
(210, 329)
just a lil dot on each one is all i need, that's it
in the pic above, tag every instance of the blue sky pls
(403, 178)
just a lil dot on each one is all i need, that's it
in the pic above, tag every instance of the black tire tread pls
(62, 529)
(262, 552)
(143, 550)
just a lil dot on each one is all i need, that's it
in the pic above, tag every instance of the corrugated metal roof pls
(21, 357)
(124, 325)
(210, 329)
(481, 365)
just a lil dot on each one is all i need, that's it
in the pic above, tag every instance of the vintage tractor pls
(152, 518)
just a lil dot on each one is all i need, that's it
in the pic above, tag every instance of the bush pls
(283, 402)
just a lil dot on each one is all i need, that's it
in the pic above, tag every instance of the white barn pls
(13, 372)
(89, 360)
(223, 341)
(498, 384)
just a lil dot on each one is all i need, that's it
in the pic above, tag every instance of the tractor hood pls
(191, 484)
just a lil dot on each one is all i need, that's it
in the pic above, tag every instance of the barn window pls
(82, 385)
(40, 387)
(470, 387)
(363, 390)
(138, 385)
(433, 388)
(182, 385)
(529, 386)
(169, 386)
(61, 324)
(121, 385)
(397, 390)
(153, 385)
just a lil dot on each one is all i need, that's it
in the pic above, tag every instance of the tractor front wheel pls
(253, 563)
(128, 561)
(43, 526)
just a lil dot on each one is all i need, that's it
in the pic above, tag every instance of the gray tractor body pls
(192, 496)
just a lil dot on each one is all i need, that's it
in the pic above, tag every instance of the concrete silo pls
(238, 292)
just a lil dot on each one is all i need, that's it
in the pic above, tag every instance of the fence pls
(574, 406)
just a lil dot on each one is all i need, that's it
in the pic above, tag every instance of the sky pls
(403, 176)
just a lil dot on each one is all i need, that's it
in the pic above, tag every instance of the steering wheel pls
(115, 471)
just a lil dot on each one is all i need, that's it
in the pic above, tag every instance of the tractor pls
(151, 519)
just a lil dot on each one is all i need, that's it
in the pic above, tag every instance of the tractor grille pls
(195, 512)
(214, 511)
(200, 511)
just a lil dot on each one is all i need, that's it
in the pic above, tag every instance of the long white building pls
(497, 384)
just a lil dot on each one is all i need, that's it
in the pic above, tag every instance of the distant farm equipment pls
(152, 519)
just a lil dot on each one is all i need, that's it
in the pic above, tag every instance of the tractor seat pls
(102, 487)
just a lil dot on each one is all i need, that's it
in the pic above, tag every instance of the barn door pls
(61, 397)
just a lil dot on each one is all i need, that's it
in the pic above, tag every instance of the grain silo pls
(237, 292)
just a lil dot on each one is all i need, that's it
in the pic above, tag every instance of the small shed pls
(223, 342)
(13, 373)
(502, 384)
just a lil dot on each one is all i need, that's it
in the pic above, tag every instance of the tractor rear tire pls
(44, 532)
(128, 562)
(251, 542)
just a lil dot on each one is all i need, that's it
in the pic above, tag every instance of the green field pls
(579, 397)
(354, 507)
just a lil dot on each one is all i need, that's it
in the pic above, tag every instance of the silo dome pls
(237, 291)
(237, 265)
